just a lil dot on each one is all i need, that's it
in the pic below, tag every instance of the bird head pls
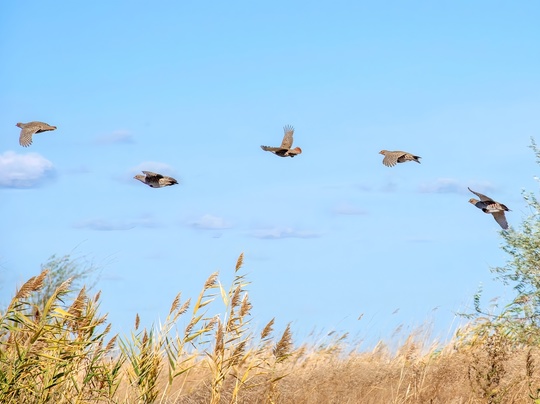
(19, 124)
(383, 152)
(296, 150)
(473, 201)
(140, 177)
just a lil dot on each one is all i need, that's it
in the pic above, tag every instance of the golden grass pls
(58, 350)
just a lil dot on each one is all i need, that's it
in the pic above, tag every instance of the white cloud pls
(117, 136)
(389, 186)
(24, 170)
(210, 222)
(109, 225)
(287, 232)
(364, 187)
(349, 209)
(452, 186)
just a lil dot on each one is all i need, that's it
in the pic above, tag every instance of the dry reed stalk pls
(61, 351)
(282, 350)
(175, 303)
(267, 330)
(53, 351)
(239, 262)
(230, 357)
(78, 304)
(32, 285)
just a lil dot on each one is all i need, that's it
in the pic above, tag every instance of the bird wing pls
(25, 139)
(150, 175)
(391, 158)
(271, 149)
(44, 127)
(501, 219)
(288, 137)
(171, 180)
(482, 197)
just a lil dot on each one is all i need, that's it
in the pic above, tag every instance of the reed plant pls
(59, 349)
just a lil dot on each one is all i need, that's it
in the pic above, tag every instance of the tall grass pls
(58, 349)
(54, 352)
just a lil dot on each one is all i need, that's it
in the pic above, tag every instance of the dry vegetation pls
(58, 349)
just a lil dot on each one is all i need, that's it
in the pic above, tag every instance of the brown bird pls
(155, 180)
(28, 130)
(391, 158)
(285, 149)
(488, 205)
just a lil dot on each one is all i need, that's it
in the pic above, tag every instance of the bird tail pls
(295, 151)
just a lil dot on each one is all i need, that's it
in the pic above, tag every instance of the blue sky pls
(193, 89)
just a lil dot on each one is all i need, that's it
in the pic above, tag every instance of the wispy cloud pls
(349, 209)
(452, 186)
(364, 187)
(118, 136)
(210, 222)
(24, 170)
(389, 186)
(112, 224)
(287, 232)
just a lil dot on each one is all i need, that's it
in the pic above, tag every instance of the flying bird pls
(285, 149)
(155, 180)
(391, 158)
(488, 205)
(28, 130)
